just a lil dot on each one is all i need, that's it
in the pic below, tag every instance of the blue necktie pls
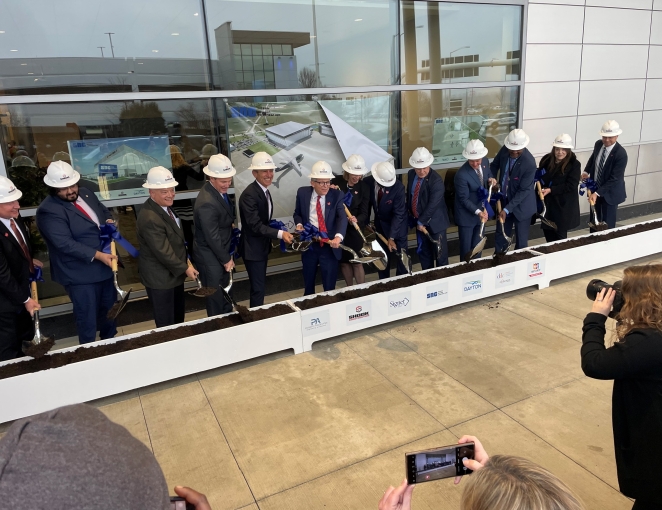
(225, 197)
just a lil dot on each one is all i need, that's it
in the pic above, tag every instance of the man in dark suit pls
(321, 207)
(515, 168)
(606, 167)
(69, 221)
(469, 179)
(427, 207)
(16, 265)
(388, 201)
(214, 220)
(255, 211)
(162, 262)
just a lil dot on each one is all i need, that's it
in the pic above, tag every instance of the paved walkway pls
(329, 428)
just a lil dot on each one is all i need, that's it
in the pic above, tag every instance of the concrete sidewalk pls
(329, 428)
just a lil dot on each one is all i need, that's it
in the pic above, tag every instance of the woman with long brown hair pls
(634, 362)
(181, 171)
(559, 187)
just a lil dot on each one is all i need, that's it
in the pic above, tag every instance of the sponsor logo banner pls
(399, 303)
(314, 323)
(472, 285)
(436, 293)
(536, 269)
(505, 277)
(359, 312)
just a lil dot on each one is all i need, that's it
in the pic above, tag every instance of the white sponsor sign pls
(436, 293)
(359, 312)
(472, 285)
(314, 323)
(536, 269)
(505, 277)
(399, 303)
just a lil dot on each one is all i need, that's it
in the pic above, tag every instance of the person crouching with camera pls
(634, 362)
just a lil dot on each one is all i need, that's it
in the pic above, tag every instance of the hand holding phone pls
(188, 499)
(480, 455)
(439, 463)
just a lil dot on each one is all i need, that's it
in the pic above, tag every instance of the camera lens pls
(594, 287)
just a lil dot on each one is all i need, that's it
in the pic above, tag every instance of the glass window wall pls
(69, 46)
(443, 42)
(445, 120)
(303, 44)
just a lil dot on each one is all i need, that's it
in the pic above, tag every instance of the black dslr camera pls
(595, 286)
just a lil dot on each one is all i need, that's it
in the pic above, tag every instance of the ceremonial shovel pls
(123, 295)
(483, 239)
(40, 344)
(356, 259)
(404, 256)
(597, 226)
(436, 243)
(503, 229)
(243, 312)
(201, 291)
(366, 250)
(547, 222)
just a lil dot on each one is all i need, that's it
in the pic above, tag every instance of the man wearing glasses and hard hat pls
(162, 262)
(321, 207)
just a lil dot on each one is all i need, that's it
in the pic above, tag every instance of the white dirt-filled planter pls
(350, 315)
(83, 381)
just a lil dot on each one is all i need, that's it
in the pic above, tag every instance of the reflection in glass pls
(111, 144)
(445, 120)
(457, 42)
(70, 46)
(325, 43)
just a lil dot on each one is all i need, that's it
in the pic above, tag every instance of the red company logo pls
(359, 309)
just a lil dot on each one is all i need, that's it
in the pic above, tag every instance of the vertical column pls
(434, 43)
(411, 67)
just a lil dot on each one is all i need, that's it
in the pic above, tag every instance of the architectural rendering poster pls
(117, 167)
(299, 133)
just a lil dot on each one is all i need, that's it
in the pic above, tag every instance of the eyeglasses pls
(324, 184)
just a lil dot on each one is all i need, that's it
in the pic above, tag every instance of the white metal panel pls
(651, 127)
(554, 99)
(616, 26)
(541, 59)
(543, 131)
(588, 128)
(611, 96)
(555, 24)
(613, 62)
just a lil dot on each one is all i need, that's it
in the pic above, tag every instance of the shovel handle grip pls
(539, 188)
(498, 206)
(188, 262)
(33, 292)
(349, 215)
(113, 251)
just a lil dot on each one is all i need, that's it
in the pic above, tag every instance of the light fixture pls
(36, 79)
(30, 73)
(155, 51)
(140, 63)
(175, 33)
(313, 36)
(13, 50)
(358, 19)
(2, 31)
(129, 72)
(23, 64)
(195, 14)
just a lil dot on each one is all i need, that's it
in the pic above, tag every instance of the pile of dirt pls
(415, 279)
(598, 238)
(56, 359)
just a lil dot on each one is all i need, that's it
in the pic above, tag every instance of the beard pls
(71, 197)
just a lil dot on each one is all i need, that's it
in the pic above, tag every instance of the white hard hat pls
(219, 166)
(355, 165)
(516, 140)
(62, 156)
(610, 128)
(262, 161)
(60, 174)
(384, 173)
(421, 158)
(563, 141)
(321, 170)
(474, 150)
(159, 178)
(8, 192)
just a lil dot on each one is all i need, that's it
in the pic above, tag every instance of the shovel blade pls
(600, 226)
(549, 223)
(477, 249)
(203, 292)
(40, 348)
(117, 308)
(406, 260)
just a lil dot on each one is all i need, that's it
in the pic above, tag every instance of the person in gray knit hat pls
(75, 457)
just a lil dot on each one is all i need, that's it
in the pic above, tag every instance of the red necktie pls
(320, 218)
(83, 211)
(172, 216)
(21, 242)
(380, 194)
(414, 202)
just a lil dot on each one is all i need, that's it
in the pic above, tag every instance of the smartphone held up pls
(438, 463)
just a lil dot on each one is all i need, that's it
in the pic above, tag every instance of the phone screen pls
(177, 503)
(438, 463)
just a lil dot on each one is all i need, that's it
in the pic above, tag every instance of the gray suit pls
(162, 263)
(213, 218)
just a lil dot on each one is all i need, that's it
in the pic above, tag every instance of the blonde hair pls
(176, 156)
(514, 483)
(642, 296)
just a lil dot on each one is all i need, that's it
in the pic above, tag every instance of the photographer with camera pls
(634, 362)
(502, 482)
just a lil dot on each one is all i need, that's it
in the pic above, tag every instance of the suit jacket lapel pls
(212, 191)
(9, 235)
(166, 218)
(71, 206)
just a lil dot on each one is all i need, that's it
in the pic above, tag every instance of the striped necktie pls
(601, 164)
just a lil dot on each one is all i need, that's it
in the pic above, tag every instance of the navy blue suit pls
(611, 188)
(520, 195)
(390, 220)
(323, 256)
(467, 183)
(73, 239)
(432, 214)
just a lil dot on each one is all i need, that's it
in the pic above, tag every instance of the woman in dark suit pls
(560, 182)
(634, 362)
(351, 181)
